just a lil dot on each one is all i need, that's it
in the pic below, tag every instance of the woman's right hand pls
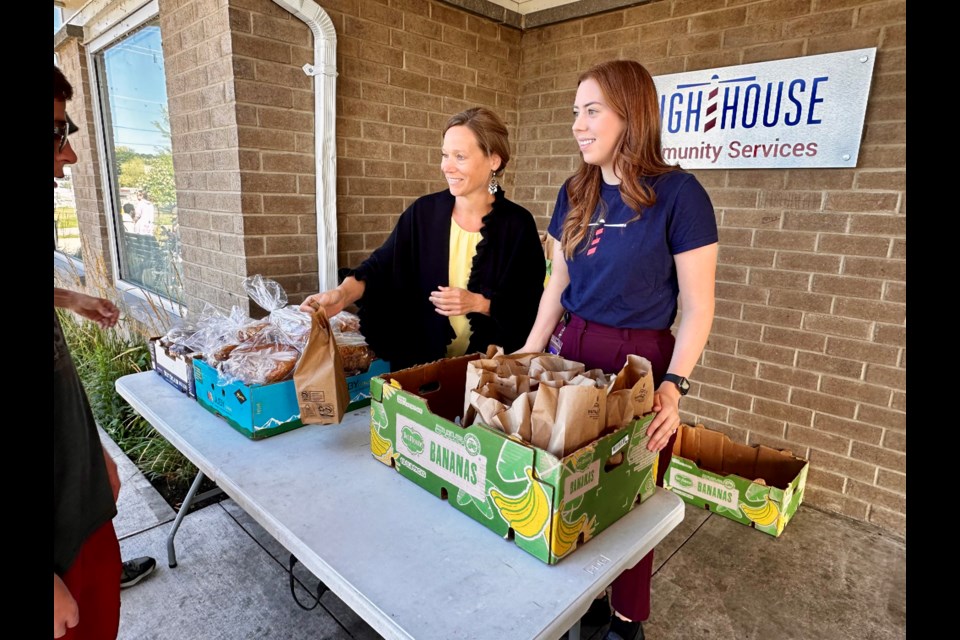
(332, 302)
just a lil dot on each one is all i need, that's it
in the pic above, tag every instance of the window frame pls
(95, 47)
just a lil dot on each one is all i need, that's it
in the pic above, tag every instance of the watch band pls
(682, 383)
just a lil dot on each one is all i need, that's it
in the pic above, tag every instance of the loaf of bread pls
(354, 352)
(345, 322)
(262, 363)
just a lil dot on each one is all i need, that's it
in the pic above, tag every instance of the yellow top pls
(463, 247)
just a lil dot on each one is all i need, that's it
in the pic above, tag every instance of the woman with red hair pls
(633, 235)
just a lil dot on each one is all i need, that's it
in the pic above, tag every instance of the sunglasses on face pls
(60, 133)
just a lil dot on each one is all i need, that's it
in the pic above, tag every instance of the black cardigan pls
(396, 315)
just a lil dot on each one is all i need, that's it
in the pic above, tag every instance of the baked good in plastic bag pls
(355, 352)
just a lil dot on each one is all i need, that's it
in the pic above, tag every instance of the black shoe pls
(598, 614)
(136, 570)
(623, 630)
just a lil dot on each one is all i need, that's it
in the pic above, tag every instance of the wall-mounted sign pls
(797, 113)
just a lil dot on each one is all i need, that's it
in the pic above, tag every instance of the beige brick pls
(839, 326)
(899, 401)
(448, 16)
(643, 14)
(367, 30)
(761, 387)
(382, 94)
(816, 440)
(875, 268)
(426, 28)
(847, 286)
(696, 43)
(851, 245)
(843, 41)
(260, 48)
(718, 19)
(752, 34)
(799, 200)
(741, 293)
(895, 440)
(367, 70)
(829, 364)
(861, 350)
(735, 237)
(895, 292)
(825, 480)
(725, 397)
(882, 14)
(772, 315)
(895, 482)
(703, 409)
(894, 36)
(779, 279)
(792, 338)
(882, 180)
(862, 201)
(377, 169)
(755, 422)
(889, 520)
(286, 245)
(727, 273)
(766, 352)
(808, 262)
(746, 256)
(883, 157)
(388, 205)
(792, 240)
(774, 10)
(734, 198)
(884, 417)
(887, 377)
(377, 12)
(878, 225)
(774, 51)
(857, 391)
(878, 496)
(721, 344)
(880, 456)
(712, 377)
(853, 469)
(888, 110)
(422, 101)
(730, 363)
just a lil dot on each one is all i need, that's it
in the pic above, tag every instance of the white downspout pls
(324, 71)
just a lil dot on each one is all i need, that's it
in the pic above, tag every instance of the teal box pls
(260, 411)
(256, 411)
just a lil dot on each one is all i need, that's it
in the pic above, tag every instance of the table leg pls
(574, 632)
(184, 508)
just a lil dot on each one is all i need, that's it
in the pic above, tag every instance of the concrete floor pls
(825, 577)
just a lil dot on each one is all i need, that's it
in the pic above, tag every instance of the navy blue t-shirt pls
(627, 277)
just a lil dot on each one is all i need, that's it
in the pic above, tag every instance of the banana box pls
(756, 486)
(547, 506)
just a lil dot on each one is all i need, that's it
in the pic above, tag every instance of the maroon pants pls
(94, 582)
(603, 347)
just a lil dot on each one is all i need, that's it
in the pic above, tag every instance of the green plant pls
(103, 355)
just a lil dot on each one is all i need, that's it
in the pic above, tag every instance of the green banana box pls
(756, 486)
(547, 506)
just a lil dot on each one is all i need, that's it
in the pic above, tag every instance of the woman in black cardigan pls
(408, 309)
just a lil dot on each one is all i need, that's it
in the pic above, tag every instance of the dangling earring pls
(494, 184)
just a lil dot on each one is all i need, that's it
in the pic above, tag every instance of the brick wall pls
(406, 66)
(808, 349)
(87, 189)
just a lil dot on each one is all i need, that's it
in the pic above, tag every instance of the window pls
(136, 126)
(66, 230)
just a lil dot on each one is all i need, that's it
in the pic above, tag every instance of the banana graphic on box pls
(763, 516)
(526, 513)
(564, 535)
(379, 446)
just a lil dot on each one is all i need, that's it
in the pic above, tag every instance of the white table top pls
(410, 565)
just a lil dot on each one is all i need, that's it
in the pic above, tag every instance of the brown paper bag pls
(636, 375)
(543, 414)
(319, 379)
(550, 367)
(581, 410)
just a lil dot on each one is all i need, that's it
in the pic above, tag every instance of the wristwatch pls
(682, 383)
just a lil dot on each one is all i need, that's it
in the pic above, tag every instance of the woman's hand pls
(453, 301)
(66, 615)
(666, 402)
(332, 302)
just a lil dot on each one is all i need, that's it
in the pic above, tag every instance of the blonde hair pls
(491, 133)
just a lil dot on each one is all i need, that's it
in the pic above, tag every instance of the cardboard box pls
(174, 368)
(260, 411)
(548, 506)
(756, 486)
